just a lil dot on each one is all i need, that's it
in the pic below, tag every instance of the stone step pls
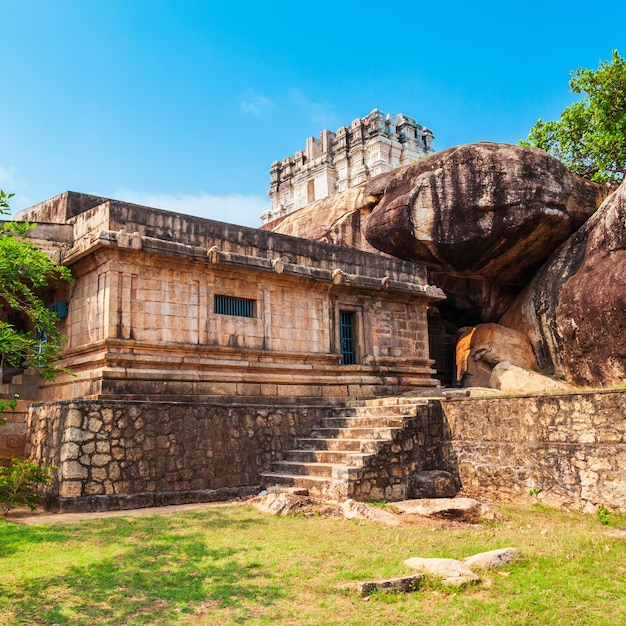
(375, 411)
(326, 470)
(317, 486)
(376, 421)
(339, 457)
(353, 433)
(368, 446)
(388, 402)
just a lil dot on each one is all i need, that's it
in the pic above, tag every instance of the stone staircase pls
(334, 454)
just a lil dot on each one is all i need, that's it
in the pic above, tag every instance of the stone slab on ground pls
(405, 584)
(359, 510)
(492, 559)
(283, 503)
(461, 509)
(453, 573)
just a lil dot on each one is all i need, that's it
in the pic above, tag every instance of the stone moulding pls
(216, 256)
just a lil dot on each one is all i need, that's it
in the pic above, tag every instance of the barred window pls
(229, 305)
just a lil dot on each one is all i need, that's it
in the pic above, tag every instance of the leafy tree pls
(24, 270)
(590, 137)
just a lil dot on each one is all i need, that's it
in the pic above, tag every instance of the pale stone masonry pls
(146, 318)
(336, 161)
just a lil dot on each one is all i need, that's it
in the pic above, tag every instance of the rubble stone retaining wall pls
(13, 433)
(564, 449)
(118, 455)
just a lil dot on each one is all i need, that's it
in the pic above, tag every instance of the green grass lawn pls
(233, 565)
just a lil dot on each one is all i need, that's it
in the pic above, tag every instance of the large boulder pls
(574, 309)
(485, 211)
(481, 348)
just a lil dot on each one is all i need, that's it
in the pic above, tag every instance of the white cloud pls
(234, 208)
(254, 103)
(6, 178)
(320, 112)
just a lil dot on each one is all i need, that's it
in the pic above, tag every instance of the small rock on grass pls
(460, 509)
(492, 559)
(453, 573)
(283, 503)
(405, 584)
(359, 510)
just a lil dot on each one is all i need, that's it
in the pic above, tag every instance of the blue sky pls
(184, 104)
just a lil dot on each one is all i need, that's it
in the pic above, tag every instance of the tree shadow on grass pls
(161, 571)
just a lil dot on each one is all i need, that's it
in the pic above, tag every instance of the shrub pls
(19, 482)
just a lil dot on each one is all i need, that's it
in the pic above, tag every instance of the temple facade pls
(338, 160)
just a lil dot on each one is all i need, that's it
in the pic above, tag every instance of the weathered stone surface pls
(568, 447)
(405, 584)
(486, 210)
(616, 533)
(471, 301)
(460, 509)
(165, 452)
(359, 510)
(512, 379)
(574, 309)
(492, 559)
(453, 573)
(337, 219)
(432, 484)
(481, 348)
(282, 504)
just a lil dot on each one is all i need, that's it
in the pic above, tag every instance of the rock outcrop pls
(486, 210)
(510, 378)
(481, 348)
(574, 309)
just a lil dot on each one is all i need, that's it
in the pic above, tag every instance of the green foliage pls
(604, 515)
(590, 137)
(24, 270)
(18, 484)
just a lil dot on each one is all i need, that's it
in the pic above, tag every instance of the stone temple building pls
(180, 320)
(336, 161)
(210, 360)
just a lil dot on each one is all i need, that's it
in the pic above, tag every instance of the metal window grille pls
(346, 336)
(229, 305)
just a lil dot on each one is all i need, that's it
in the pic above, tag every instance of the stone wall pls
(118, 455)
(564, 449)
(13, 432)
